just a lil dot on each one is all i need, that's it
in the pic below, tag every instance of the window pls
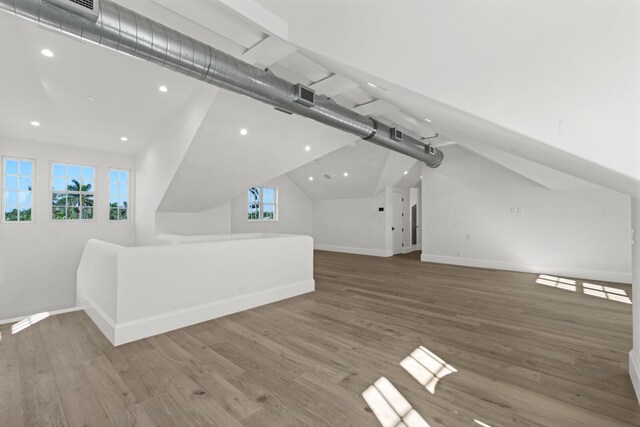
(72, 192)
(263, 204)
(118, 195)
(17, 183)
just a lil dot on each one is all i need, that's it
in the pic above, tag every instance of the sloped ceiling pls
(221, 163)
(363, 162)
(548, 83)
(466, 95)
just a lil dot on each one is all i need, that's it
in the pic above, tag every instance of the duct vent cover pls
(85, 8)
(304, 95)
(84, 3)
(396, 134)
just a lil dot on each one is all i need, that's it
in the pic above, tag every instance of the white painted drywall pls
(157, 164)
(38, 261)
(634, 355)
(216, 220)
(561, 72)
(165, 287)
(467, 220)
(294, 211)
(352, 225)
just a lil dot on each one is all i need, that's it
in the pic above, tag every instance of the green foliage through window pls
(72, 192)
(118, 195)
(17, 187)
(262, 204)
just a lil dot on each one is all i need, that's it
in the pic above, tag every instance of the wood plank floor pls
(526, 355)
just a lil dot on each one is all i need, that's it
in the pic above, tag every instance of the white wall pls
(157, 164)
(216, 220)
(38, 261)
(352, 225)
(467, 220)
(634, 355)
(294, 211)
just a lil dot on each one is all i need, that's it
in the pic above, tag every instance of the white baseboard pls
(409, 249)
(123, 333)
(607, 276)
(634, 373)
(357, 251)
(51, 313)
(103, 321)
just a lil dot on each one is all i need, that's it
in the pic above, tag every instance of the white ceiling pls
(54, 91)
(553, 84)
(221, 163)
(364, 162)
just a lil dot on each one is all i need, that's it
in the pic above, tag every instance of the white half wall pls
(467, 219)
(38, 261)
(216, 220)
(294, 211)
(352, 225)
(134, 293)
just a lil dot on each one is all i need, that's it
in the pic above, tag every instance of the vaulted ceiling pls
(426, 80)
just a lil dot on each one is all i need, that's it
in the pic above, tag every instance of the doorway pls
(414, 225)
(397, 220)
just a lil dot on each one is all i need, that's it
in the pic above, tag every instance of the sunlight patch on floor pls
(25, 323)
(556, 282)
(606, 292)
(390, 406)
(426, 368)
(591, 289)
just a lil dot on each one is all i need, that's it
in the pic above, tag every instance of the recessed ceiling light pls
(371, 84)
(124, 139)
(163, 89)
(310, 178)
(34, 123)
(307, 148)
(47, 53)
(91, 98)
(406, 172)
(427, 120)
(243, 131)
(346, 174)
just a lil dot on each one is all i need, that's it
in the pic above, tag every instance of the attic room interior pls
(313, 213)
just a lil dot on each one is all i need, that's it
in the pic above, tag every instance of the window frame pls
(3, 187)
(123, 221)
(96, 200)
(276, 204)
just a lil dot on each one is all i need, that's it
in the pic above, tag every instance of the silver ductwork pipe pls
(106, 23)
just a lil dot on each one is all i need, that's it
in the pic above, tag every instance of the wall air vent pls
(86, 8)
(304, 95)
(431, 149)
(396, 134)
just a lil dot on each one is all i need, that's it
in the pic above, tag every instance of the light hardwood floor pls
(526, 355)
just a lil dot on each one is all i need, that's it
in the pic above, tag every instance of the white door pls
(396, 222)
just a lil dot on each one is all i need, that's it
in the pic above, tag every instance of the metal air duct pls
(106, 23)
